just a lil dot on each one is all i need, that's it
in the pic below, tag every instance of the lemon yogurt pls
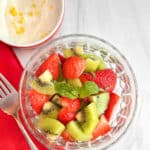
(28, 21)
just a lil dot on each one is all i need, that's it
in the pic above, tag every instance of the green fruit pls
(91, 65)
(56, 100)
(97, 62)
(74, 129)
(91, 118)
(50, 110)
(75, 82)
(68, 53)
(46, 77)
(80, 117)
(101, 65)
(101, 101)
(51, 126)
(78, 50)
(47, 89)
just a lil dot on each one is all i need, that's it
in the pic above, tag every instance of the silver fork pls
(9, 103)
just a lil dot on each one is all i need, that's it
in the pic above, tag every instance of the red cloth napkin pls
(11, 138)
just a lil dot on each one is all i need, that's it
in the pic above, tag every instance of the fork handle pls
(31, 144)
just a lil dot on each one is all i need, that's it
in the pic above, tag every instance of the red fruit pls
(65, 115)
(37, 100)
(52, 64)
(72, 105)
(106, 79)
(73, 67)
(67, 136)
(86, 77)
(102, 128)
(114, 98)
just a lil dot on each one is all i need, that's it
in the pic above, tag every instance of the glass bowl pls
(126, 87)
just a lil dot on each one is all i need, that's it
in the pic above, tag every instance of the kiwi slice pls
(74, 129)
(56, 100)
(51, 125)
(68, 53)
(75, 82)
(90, 118)
(91, 65)
(47, 89)
(78, 50)
(80, 117)
(101, 101)
(102, 65)
(46, 77)
(50, 110)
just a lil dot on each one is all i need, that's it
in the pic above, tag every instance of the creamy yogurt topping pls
(28, 21)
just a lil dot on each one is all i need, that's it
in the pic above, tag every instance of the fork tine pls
(2, 93)
(9, 86)
(4, 88)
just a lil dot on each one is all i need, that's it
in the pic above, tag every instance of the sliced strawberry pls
(73, 67)
(114, 98)
(37, 100)
(102, 128)
(52, 64)
(106, 79)
(72, 105)
(65, 115)
(86, 77)
(67, 136)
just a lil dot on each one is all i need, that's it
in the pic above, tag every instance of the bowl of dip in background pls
(29, 23)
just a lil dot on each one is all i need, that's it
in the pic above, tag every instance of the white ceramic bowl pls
(16, 20)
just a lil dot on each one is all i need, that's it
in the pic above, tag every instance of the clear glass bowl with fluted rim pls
(126, 87)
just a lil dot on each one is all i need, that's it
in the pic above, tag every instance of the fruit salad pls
(73, 95)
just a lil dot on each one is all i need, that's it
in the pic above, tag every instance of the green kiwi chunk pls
(80, 117)
(101, 101)
(56, 100)
(50, 110)
(91, 65)
(47, 89)
(46, 77)
(91, 118)
(50, 125)
(74, 129)
(78, 50)
(68, 53)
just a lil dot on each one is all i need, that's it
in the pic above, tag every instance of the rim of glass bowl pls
(84, 36)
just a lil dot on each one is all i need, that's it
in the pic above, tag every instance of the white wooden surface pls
(126, 24)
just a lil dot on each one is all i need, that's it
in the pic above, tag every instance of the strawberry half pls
(37, 100)
(105, 79)
(73, 67)
(72, 105)
(86, 77)
(52, 64)
(114, 98)
(102, 128)
(65, 115)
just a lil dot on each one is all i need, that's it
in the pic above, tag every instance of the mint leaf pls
(88, 89)
(67, 90)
